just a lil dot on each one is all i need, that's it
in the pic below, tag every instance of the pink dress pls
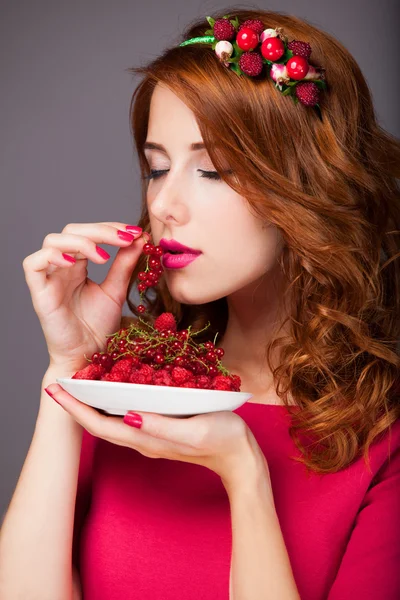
(155, 529)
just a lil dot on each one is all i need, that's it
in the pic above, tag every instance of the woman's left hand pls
(220, 441)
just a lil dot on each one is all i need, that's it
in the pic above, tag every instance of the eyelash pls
(156, 173)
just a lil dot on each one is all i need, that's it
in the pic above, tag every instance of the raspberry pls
(189, 384)
(181, 375)
(236, 382)
(143, 375)
(162, 377)
(165, 321)
(91, 371)
(254, 24)
(300, 48)
(113, 377)
(221, 382)
(307, 92)
(203, 382)
(251, 63)
(122, 368)
(223, 30)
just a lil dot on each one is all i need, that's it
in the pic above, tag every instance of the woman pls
(296, 212)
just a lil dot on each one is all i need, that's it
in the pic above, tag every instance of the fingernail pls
(102, 252)
(69, 258)
(133, 419)
(124, 235)
(133, 228)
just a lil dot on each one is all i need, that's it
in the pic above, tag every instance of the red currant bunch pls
(151, 275)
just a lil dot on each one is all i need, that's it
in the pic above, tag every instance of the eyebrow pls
(160, 147)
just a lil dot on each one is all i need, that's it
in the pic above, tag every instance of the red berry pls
(183, 334)
(154, 262)
(221, 382)
(158, 251)
(297, 67)
(211, 357)
(148, 248)
(106, 361)
(91, 371)
(142, 287)
(95, 357)
(212, 371)
(141, 309)
(307, 92)
(251, 63)
(142, 275)
(219, 352)
(152, 276)
(300, 48)
(254, 24)
(272, 48)
(166, 323)
(179, 361)
(181, 375)
(159, 359)
(209, 345)
(247, 39)
(203, 382)
(223, 29)
(114, 355)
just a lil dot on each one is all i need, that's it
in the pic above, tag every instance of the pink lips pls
(177, 261)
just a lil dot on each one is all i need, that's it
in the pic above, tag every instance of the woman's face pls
(202, 213)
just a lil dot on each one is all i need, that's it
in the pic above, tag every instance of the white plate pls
(116, 398)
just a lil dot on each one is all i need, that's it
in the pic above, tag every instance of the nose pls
(167, 200)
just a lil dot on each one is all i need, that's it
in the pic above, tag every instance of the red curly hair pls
(330, 186)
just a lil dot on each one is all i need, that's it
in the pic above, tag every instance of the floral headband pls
(247, 47)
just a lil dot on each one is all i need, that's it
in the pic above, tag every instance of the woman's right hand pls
(76, 314)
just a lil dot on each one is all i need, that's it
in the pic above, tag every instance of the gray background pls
(66, 150)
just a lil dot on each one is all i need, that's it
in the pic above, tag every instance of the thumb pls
(117, 279)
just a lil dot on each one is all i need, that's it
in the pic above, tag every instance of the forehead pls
(171, 119)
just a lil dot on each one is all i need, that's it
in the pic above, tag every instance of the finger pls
(110, 428)
(188, 432)
(119, 274)
(37, 265)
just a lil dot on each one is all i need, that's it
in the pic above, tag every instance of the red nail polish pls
(133, 228)
(102, 252)
(124, 235)
(133, 420)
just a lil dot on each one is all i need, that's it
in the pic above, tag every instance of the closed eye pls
(156, 174)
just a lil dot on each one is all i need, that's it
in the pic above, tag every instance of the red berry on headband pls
(307, 93)
(254, 24)
(223, 30)
(297, 67)
(251, 63)
(247, 39)
(272, 48)
(300, 48)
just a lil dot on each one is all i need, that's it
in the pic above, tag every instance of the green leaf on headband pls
(214, 44)
(291, 83)
(235, 22)
(236, 69)
(321, 84)
(211, 21)
(209, 32)
(287, 91)
(226, 16)
(236, 50)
